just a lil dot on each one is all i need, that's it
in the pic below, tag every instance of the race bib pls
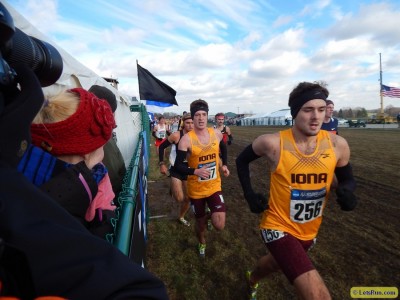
(270, 235)
(212, 167)
(161, 134)
(306, 205)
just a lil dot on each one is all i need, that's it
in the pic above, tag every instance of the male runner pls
(178, 181)
(303, 161)
(225, 130)
(330, 123)
(200, 147)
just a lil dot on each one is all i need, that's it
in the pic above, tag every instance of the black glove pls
(20, 108)
(229, 142)
(346, 199)
(257, 202)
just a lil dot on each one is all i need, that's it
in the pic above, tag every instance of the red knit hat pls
(89, 128)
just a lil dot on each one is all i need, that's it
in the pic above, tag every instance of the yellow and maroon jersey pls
(200, 156)
(300, 187)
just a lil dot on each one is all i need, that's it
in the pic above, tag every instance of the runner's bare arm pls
(268, 145)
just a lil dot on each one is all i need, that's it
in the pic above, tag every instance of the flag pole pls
(380, 66)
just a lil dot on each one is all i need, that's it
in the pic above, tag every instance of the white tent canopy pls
(280, 117)
(77, 75)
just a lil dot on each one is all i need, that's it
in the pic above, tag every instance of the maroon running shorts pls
(215, 203)
(290, 254)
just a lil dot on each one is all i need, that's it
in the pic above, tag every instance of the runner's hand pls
(203, 172)
(346, 199)
(257, 202)
(163, 169)
(226, 171)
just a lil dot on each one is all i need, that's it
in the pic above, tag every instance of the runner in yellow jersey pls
(303, 162)
(200, 148)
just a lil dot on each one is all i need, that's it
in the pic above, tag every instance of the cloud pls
(375, 21)
(246, 53)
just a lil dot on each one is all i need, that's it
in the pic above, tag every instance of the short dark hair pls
(196, 105)
(304, 92)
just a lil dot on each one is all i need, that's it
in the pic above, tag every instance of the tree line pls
(362, 113)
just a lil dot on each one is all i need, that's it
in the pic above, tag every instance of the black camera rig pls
(16, 47)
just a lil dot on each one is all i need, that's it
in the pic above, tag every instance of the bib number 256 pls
(305, 211)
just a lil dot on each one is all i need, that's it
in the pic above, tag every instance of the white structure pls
(278, 118)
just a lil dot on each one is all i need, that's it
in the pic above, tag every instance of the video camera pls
(17, 47)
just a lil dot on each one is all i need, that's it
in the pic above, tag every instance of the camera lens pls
(40, 56)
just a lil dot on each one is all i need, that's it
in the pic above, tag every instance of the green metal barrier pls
(123, 232)
(123, 225)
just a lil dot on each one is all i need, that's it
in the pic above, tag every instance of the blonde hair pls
(58, 108)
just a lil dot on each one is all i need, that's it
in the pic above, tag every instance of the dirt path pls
(359, 248)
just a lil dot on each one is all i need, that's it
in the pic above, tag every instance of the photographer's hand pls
(21, 106)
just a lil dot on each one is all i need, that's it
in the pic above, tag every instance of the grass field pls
(359, 248)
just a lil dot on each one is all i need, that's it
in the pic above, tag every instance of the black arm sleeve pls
(180, 164)
(154, 135)
(161, 149)
(242, 166)
(230, 139)
(346, 186)
(257, 202)
(224, 153)
(345, 177)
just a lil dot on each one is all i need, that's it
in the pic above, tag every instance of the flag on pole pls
(157, 94)
(388, 91)
(156, 107)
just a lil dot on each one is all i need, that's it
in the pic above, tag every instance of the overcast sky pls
(239, 55)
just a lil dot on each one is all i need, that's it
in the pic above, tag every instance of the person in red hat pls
(45, 252)
(69, 133)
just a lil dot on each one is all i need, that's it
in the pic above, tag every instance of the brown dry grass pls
(359, 248)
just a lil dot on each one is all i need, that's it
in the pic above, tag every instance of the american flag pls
(388, 91)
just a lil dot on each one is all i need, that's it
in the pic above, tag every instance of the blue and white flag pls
(156, 107)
